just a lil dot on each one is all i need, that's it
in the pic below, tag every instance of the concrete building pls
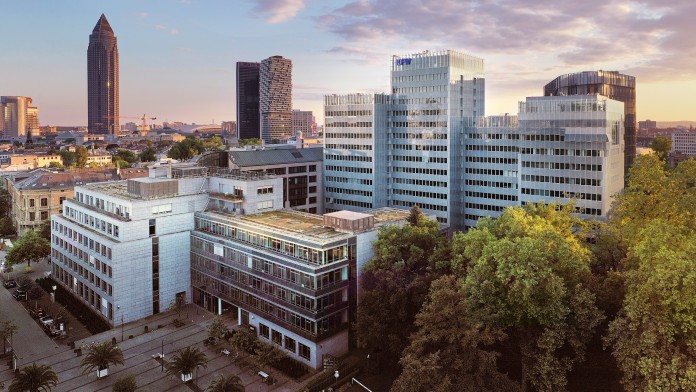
(289, 275)
(304, 121)
(18, 117)
(27, 161)
(248, 122)
(355, 151)
(684, 142)
(102, 80)
(38, 195)
(610, 84)
(275, 99)
(647, 125)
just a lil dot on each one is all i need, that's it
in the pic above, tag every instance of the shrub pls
(75, 306)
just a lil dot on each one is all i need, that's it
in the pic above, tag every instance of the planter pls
(186, 377)
(102, 372)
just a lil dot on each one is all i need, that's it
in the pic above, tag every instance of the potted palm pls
(100, 357)
(230, 383)
(185, 361)
(34, 378)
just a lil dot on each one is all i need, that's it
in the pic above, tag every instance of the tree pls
(230, 383)
(125, 155)
(214, 142)
(217, 329)
(101, 356)
(34, 378)
(187, 360)
(450, 349)
(35, 293)
(24, 283)
(178, 305)
(186, 149)
(415, 216)
(55, 165)
(529, 274)
(45, 230)
(69, 157)
(5, 202)
(148, 155)
(29, 247)
(249, 142)
(6, 227)
(81, 156)
(7, 330)
(662, 145)
(244, 340)
(125, 384)
(268, 355)
(394, 285)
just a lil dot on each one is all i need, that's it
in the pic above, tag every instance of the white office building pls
(684, 142)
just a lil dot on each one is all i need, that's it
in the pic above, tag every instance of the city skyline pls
(178, 57)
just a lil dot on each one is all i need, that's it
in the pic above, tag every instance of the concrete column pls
(219, 306)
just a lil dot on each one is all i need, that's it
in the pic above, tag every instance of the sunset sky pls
(177, 57)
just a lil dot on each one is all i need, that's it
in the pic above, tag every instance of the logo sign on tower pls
(403, 62)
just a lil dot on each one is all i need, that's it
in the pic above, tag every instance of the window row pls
(562, 194)
(494, 196)
(425, 206)
(562, 180)
(348, 180)
(347, 158)
(412, 181)
(418, 170)
(503, 161)
(430, 195)
(349, 169)
(345, 191)
(561, 166)
(91, 221)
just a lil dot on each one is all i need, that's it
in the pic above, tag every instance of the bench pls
(226, 352)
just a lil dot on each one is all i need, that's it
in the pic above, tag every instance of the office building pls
(275, 99)
(37, 195)
(610, 84)
(18, 117)
(303, 121)
(355, 151)
(684, 142)
(102, 80)
(248, 100)
(647, 125)
(289, 275)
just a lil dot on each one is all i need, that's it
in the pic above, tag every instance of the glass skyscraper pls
(610, 84)
(275, 99)
(102, 79)
(248, 100)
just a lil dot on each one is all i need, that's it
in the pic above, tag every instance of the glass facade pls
(610, 84)
(248, 100)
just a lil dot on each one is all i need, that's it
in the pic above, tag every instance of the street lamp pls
(336, 375)
(53, 294)
(119, 308)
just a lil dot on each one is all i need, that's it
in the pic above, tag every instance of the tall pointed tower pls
(102, 80)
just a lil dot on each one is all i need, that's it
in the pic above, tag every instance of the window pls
(305, 352)
(44, 202)
(153, 227)
(162, 209)
(312, 178)
(277, 337)
(290, 344)
(264, 331)
(32, 203)
(32, 216)
(44, 215)
(312, 168)
(263, 190)
(265, 204)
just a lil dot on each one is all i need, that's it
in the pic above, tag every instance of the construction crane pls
(143, 118)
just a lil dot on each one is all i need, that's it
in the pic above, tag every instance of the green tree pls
(55, 165)
(186, 149)
(5, 202)
(394, 285)
(529, 273)
(178, 305)
(101, 356)
(217, 329)
(125, 155)
(69, 157)
(214, 142)
(662, 145)
(7, 330)
(45, 230)
(34, 378)
(187, 360)
(24, 283)
(34, 294)
(6, 227)
(81, 156)
(125, 384)
(229, 383)
(29, 247)
(244, 341)
(450, 350)
(415, 216)
(268, 355)
(148, 155)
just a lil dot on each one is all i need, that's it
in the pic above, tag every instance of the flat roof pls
(349, 215)
(388, 214)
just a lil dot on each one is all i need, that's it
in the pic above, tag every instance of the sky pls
(177, 57)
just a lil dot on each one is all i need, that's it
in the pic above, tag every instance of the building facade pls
(275, 99)
(610, 84)
(684, 142)
(102, 80)
(289, 275)
(18, 117)
(248, 122)
(355, 151)
(304, 121)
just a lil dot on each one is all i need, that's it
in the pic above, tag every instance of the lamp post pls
(336, 375)
(53, 294)
(119, 308)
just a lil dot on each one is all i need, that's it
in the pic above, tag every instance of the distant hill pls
(674, 124)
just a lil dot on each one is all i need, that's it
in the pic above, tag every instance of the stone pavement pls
(138, 354)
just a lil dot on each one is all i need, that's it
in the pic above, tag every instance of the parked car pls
(51, 330)
(20, 295)
(37, 312)
(46, 320)
(10, 284)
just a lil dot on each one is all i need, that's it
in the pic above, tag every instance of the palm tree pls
(100, 357)
(230, 383)
(185, 361)
(34, 378)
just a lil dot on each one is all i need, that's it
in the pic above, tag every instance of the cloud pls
(141, 15)
(169, 30)
(653, 39)
(278, 11)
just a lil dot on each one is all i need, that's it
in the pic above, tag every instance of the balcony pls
(236, 197)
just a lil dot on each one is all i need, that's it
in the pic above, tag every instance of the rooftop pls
(388, 214)
(295, 222)
(276, 156)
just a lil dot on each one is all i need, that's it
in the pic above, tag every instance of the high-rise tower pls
(610, 84)
(102, 79)
(275, 98)
(248, 100)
